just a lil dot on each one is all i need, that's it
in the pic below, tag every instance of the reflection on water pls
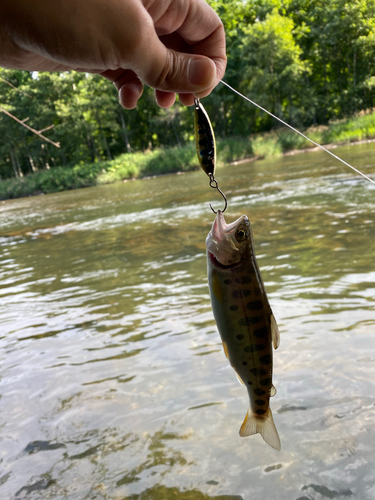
(113, 381)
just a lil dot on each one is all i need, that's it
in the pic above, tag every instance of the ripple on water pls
(113, 381)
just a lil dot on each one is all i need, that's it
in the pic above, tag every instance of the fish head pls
(229, 244)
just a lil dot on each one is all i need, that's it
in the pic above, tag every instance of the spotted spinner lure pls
(239, 301)
(206, 146)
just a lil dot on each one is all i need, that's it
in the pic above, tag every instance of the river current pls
(113, 380)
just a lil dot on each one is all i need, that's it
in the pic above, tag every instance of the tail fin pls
(264, 425)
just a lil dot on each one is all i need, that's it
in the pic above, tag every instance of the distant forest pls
(307, 61)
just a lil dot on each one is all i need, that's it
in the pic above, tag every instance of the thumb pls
(171, 71)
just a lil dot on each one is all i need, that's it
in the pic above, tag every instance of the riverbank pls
(356, 129)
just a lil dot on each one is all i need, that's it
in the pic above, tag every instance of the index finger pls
(197, 24)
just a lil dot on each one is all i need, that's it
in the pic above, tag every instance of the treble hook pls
(215, 185)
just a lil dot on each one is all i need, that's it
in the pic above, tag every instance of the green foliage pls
(310, 62)
(266, 145)
(162, 160)
(233, 149)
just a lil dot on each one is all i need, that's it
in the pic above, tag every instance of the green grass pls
(170, 160)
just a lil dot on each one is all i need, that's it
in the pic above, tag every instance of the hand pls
(174, 46)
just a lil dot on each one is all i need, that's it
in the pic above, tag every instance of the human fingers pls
(198, 66)
(165, 99)
(129, 86)
(186, 99)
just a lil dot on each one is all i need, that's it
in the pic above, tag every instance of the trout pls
(244, 319)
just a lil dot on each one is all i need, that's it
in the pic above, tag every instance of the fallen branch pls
(36, 132)
(15, 88)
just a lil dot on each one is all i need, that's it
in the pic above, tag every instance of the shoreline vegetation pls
(129, 166)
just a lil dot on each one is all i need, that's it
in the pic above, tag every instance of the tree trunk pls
(104, 139)
(178, 142)
(91, 149)
(18, 164)
(31, 160)
(13, 162)
(125, 130)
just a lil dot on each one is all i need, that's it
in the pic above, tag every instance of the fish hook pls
(214, 185)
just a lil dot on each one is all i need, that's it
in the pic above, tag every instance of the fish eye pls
(241, 234)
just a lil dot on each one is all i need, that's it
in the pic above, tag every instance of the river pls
(113, 382)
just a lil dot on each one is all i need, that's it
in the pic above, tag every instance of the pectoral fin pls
(275, 332)
(225, 347)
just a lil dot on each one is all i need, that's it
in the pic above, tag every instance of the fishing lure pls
(206, 146)
(204, 139)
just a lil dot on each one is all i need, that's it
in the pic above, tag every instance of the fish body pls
(204, 139)
(244, 319)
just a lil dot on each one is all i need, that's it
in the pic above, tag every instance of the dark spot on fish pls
(266, 382)
(266, 359)
(255, 305)
(244, 363)
(202, 142)
(227, 282)
(240, 336)
(244, 280)
(202, 120)
(233, 308)
(249, 321)
(259, 392)
(258, 371)
(261, 333)
(241, 293)
(260, 411)
(260, 402)
(254, 348)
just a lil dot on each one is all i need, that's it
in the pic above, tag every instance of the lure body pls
(204, 139)
(244, 319)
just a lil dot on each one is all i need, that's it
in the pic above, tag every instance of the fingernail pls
(201, 72)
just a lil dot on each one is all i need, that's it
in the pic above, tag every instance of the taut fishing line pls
(298, 132)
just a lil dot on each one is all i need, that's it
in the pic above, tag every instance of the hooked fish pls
(244, 319)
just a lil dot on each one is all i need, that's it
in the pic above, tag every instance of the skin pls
(174, 46)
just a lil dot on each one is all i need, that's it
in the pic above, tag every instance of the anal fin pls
(275, 332)
(239, 378)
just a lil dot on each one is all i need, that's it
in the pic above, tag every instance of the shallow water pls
(113, 380)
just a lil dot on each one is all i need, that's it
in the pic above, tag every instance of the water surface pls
(113, 380)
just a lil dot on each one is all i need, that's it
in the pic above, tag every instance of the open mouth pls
(218, 264)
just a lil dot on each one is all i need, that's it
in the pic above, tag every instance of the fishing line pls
(298, 132)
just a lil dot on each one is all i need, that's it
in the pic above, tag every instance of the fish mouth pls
(219, 265)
